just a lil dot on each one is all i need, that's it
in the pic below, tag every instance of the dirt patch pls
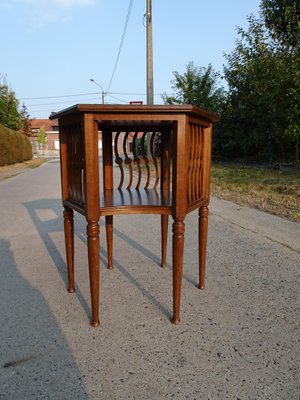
(7, 171)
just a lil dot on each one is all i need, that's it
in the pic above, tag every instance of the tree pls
(24, 121)
(197, 86)
(10, 116)
(282, 19)
(42, 138)
(261, 118)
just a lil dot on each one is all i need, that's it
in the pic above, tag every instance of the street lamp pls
(102, 91)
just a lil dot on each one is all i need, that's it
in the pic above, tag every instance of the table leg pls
(203, 228)
(109, 240)
(178, 245)
(164, 239)
(93, 243)
(69, 240)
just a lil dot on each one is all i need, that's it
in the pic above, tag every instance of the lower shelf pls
(134, 201)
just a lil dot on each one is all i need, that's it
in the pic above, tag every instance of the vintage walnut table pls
(176, 140)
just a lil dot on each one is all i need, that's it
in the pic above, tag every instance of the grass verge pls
(276, 192)
(8, 171)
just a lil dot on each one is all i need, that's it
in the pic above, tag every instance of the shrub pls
(14, 147)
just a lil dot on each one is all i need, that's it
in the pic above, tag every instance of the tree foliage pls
(42, 138)
(198, 86)
(24, 126)
(260, 111)
(282, 18)
(261, 117)
(10, 115)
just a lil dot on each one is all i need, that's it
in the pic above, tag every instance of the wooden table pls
(176, 140)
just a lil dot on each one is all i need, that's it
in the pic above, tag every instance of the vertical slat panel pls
(206, 156)
(63, 147)
(195, 164)
(138, 166)
(198, 133)
(107, 158)
(193, 182)
(189, 186)
(75, 167)
(200, 162)
(77, 164)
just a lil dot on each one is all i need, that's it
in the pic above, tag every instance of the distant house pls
(51, 131)
(52, 134)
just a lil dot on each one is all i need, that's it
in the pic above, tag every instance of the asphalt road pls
(238, 339)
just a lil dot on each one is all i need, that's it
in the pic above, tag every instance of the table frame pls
(185, 190)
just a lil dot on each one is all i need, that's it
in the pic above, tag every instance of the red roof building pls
(51, 131)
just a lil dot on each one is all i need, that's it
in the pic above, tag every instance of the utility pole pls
(150, 95)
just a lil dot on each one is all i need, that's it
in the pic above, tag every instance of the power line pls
(110, 94)
(121, 44)
(128, 94)
(58, 102)
(56, 97)
(88, 94)
(133, 94)
(113, 97)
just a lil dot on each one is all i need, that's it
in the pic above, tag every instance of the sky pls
(50, 49)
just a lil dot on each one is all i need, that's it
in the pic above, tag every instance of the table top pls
(187, 109)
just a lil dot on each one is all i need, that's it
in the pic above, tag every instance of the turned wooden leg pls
(203, 227)
(69, 240)
(164, 239)
(178, 245)
(93, 256)
(109, 240)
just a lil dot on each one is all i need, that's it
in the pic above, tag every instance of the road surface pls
(238, 339)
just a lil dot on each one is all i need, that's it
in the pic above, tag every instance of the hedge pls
(14, 147)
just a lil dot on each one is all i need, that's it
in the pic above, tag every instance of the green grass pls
(276, 192)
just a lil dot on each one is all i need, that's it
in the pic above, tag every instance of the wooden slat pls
(137, 160)
(146, 160)
(119, 160)
(127, 160)
(154, 159)
(196, 161)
